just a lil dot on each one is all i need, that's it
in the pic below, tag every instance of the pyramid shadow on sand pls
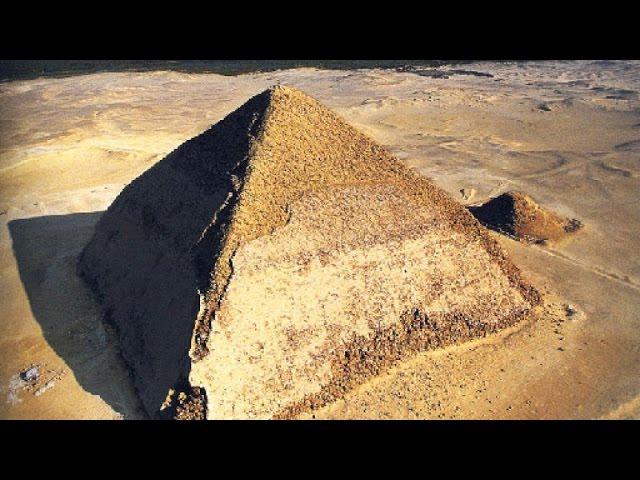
(46, 250)
(159, 283)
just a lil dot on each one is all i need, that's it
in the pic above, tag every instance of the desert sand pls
(565, 133)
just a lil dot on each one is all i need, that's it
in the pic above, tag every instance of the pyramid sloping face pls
(292, 258)
(151, 255)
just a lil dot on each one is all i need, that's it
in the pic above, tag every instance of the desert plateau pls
(457, 241)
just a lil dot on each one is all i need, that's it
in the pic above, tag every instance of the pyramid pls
(280, 258)
(518, 215)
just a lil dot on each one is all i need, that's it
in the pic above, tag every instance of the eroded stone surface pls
(339, 269)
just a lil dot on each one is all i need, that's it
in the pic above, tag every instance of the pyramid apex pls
(279, 88)
(284, 91)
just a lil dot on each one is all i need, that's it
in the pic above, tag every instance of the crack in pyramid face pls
(282, 257)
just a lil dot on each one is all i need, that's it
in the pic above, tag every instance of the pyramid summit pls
(272, 263)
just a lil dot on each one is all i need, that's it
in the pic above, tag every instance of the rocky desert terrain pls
(566, 134)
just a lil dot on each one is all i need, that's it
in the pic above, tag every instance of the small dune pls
(518, 215)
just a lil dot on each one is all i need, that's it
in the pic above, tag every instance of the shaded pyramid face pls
(282, 257)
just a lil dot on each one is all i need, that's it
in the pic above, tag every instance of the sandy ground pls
(567, 133)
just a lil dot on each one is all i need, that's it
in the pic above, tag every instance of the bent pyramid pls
(280, 258)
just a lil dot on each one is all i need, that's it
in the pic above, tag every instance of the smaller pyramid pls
(282, 257)
(518, 215)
